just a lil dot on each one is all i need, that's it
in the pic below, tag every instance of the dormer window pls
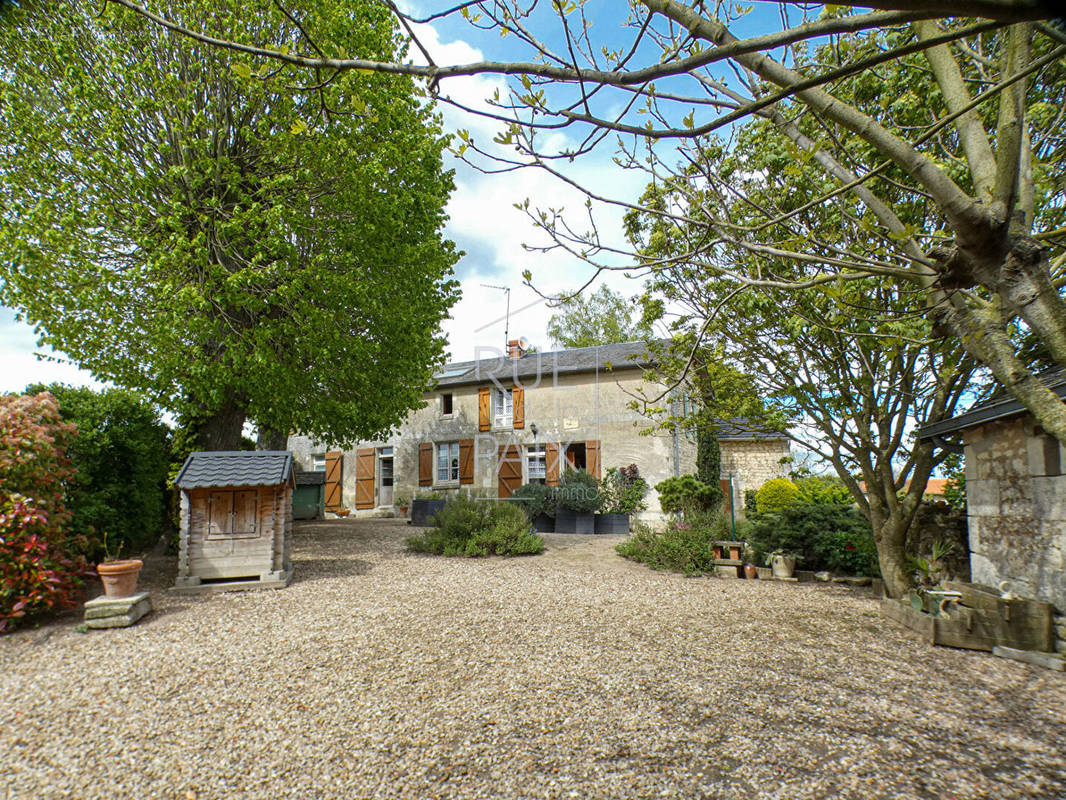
(503, 408)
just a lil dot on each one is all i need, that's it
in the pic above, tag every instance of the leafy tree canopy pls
(237, 241)
(605, 317)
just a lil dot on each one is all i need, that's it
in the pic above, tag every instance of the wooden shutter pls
(425, 464)
(510, 470)
(519, 407)
(592, 457)
(245, 512)
(724, 484)
(484, 409)
(551, 457)
(333, 480)
(364, 478)
(466, 461)
(219, 514)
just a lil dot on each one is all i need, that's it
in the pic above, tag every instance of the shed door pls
(219, 513)
(333, 480)
(245, 506)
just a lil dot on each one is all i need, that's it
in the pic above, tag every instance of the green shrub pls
(775, 495)
(535, 499)
(687, 493)
(121, 455)
(830, 537)
(469, 527)
(579, 492)
(42, 563)
(683, 546)
(623, 491)
(751, 504)
(822, 490)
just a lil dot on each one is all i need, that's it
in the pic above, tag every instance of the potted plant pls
(623, 493)
(783, 563)
(425, 506)
(118, 575)
(403, 502)
(343, 512)
(538, 501)
(578, 498)
(751, 572)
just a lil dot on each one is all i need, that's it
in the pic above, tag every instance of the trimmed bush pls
(579, 491)
(687, 493)
(468, 527)
(831, 537)
(683, 546)
(121, 455)
(822, 490)
(775, 495)
(42, 563)
(535, 499)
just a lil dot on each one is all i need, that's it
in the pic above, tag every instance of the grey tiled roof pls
(556, 362)
(235, 468)
(743, 430)
(999, 406)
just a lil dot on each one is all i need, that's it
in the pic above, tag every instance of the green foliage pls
(42, 563)
(687, 493)
(683, 546)
(708, 455)
(535, 499)
(623, 491)
(955, 488)
(121, 455)
(830, 537)
(603, 318)
(751, 502)
(775, 495)
(469, 527)
(822, 490)
(184, 222)
(579, 491)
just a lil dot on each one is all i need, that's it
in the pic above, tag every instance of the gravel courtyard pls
(571, 674)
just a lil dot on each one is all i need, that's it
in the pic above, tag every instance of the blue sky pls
(484, 222)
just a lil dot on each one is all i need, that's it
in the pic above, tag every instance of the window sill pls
(446, 484)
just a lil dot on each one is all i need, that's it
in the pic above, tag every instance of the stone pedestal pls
(119, 612)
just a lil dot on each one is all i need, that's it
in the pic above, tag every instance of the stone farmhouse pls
(1015, 495)
(492, 424)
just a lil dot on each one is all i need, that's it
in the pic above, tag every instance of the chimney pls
(515, 349)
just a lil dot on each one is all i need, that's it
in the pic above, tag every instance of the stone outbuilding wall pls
(1016, 503)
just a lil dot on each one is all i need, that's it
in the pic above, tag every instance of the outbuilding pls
(236, 520)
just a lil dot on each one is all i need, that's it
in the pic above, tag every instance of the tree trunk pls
(891, 539)
(221, 430)
(270, 439)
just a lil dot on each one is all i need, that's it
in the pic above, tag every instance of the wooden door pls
(245, 513)
(728, 506)
(333, 480)
(219, 513)
(510, 470)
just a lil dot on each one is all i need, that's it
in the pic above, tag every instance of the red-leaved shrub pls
(42, 567)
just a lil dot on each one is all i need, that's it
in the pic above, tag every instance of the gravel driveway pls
(571, 674)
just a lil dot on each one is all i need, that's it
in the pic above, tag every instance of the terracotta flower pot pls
(751, 572)
(403, 511)
(120, 577)
(343, 512)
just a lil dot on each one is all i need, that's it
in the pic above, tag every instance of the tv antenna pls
(507, 319)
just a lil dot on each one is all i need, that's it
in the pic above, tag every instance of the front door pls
(385, 473)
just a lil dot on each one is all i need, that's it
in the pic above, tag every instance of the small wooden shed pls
(236, 520)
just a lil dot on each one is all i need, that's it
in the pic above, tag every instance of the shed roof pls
(998, 406)
(235, 468)
(557, 362)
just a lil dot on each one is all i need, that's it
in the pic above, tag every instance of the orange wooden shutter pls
(592, 457)
(466, 461)
(364, 478)
(724, 484)
(484, 409)
(551, 457)
(509, 469)
(425, 464)
(333, 480)
(519, 407)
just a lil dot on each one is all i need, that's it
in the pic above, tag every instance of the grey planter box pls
(423, 511)
(567, 521)
(542, 523)
(612, 524)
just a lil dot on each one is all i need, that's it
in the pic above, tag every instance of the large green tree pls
(239, 242)
(985, 265)
(604, 317)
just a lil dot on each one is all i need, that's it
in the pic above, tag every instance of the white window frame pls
(503, 408)
(536, 462)
(318, 462)
(449, 466)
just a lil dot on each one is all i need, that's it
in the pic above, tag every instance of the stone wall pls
(565, 409)
(1016, 504)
